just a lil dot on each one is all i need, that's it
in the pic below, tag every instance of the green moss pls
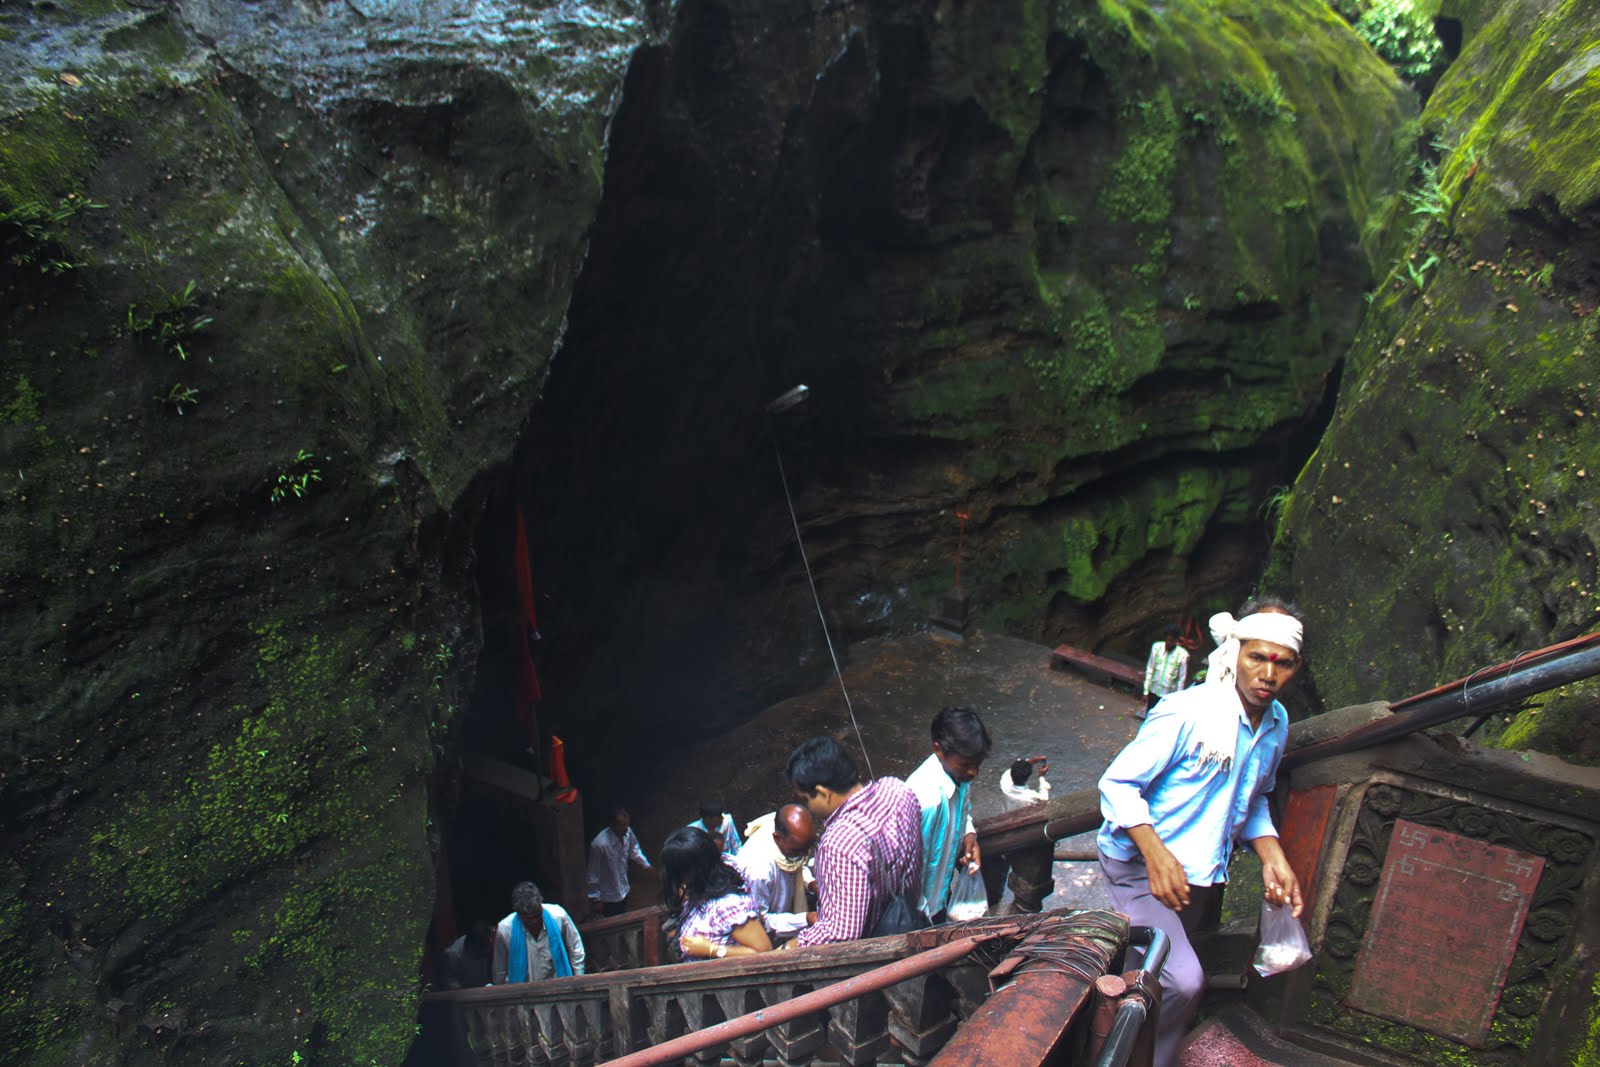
(23, 408)
(1138, 187)
(295, 784)
(1589, 1054)
(45, 153)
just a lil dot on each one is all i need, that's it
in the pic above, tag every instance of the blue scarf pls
(517, 963)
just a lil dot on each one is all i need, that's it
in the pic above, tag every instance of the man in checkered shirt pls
(871, 848)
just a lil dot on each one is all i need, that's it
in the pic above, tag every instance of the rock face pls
(281, 283)
(257, 261)
(1085, 272)
(1448, 519)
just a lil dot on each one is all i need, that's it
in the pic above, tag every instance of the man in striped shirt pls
(871, 847)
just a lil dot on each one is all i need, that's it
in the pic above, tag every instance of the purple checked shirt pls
(870, 851)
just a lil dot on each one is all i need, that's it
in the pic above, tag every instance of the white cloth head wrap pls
(1218, 737)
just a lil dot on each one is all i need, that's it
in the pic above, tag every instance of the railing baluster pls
(859, 1028)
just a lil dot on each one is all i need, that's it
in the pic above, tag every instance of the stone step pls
(1238, 1037)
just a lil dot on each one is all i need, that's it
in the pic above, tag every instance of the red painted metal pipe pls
(817, 1000)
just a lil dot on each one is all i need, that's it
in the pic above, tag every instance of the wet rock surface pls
(1447, 521)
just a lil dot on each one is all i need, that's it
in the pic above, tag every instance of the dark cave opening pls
(752, 237)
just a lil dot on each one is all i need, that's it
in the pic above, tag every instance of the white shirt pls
(540, 966)
(770, 885)
(608, 865)
(1164, 671)
(1020, 796)
(946, 819)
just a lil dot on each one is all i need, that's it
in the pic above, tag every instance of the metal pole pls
(766, 1018)
(1485, 690)
(1132, 1011)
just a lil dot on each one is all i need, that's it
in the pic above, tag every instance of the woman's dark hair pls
(822, 761)
(959, 731)
(692, 870)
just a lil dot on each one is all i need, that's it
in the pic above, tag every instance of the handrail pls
(1132, 1009)
(1477, 693)
(817, 1000)
(604, 1016)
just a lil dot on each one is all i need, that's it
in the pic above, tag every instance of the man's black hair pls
(618, 809)
(1262, 603)
(711, 815)
(525, 896)
(958, 731)
(1020, 771)
(822, 761)
(1171, 630)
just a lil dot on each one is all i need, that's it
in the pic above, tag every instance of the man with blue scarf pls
(943, 785)
(536, 941)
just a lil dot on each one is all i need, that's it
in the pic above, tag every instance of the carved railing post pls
(794, 1042)
(920, 1019)
(859, 1029)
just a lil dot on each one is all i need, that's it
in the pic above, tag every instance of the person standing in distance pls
(609, 855)
(1166, 669)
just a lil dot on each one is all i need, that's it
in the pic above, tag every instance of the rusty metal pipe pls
(1109, 990)
(766, 1018)
(1480, 692)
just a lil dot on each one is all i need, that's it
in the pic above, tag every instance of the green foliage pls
(1430, 199)
(1401, 32)
(1273, 507)
(296, 478)
(179, 397)
(1418, 272)
(172, 323)
(36, 232)
(23, 408)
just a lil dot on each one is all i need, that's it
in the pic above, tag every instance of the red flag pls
(524, 575)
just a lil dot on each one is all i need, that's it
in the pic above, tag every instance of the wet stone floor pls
(896, 686)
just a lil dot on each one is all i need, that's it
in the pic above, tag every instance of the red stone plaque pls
(1443, 930)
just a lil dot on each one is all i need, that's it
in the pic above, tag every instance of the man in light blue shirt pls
(719, 824)
(943, 785)
(1193, 782)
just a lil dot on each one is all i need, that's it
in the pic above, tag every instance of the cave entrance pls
(505, 813)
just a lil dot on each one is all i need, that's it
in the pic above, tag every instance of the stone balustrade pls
(595, 1017)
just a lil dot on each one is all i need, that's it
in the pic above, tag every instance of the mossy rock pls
(1458, 464)
(239, 409)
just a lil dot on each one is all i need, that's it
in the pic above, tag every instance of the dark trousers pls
(1032, 877)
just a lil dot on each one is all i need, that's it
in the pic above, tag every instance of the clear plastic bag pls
(968, 897)
(1283, 941)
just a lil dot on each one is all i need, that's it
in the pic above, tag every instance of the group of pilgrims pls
(852, 858)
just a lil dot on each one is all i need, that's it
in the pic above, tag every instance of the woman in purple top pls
(716, 916)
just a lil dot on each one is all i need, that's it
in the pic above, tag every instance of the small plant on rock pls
(180, 396)
(42, 228)
(297, 478)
